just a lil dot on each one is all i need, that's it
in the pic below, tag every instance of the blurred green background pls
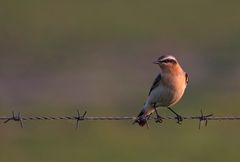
(58, 56)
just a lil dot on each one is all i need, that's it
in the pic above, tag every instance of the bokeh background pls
(59, 56)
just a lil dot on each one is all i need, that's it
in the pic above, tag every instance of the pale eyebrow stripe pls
(169, 57)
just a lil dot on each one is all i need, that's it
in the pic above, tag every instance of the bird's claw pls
(179, 119)
(159, 119)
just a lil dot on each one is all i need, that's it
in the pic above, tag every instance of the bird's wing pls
(155, 83)
(187, 78)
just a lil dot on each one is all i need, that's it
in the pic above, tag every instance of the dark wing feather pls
(187, 78)
(155, 83)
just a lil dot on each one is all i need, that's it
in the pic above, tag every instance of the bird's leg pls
(159, 118)
(178, 117)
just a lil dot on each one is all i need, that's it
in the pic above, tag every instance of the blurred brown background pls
(58, 56)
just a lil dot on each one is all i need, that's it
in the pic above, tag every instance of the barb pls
(79, 118)
(15, 118)
(201, 118)
(204, 118)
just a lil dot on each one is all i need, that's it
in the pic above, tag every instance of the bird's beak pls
(156, 62)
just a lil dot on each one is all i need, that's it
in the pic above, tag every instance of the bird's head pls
(166, 62)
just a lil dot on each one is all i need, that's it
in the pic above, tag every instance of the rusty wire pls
(201, 118)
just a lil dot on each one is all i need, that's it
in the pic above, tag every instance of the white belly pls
(165, 96)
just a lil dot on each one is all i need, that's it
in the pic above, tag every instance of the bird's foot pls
(158, 119)
(179, 119)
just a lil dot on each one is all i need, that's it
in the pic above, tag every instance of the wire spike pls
(79, 117)
(15, 118)
(200, 119)
(20, 120)
(203, 118)
(84, 115)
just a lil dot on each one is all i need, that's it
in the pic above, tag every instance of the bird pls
(166, 90)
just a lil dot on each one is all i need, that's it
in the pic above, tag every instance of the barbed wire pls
(82, 117)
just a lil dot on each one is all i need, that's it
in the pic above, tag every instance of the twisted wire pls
(118, 118)
(19, 118)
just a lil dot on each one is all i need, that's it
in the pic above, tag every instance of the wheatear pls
(167, 89)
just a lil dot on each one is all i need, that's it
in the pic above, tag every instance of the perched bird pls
(166, 91)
